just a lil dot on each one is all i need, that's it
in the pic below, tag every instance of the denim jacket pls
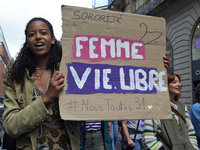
(22, 115)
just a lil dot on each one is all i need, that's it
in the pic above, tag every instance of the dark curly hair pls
(25, 59)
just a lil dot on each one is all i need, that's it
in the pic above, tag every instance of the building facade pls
(5, 61)
(182, 36)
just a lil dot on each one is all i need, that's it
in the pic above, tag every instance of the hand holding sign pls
(55, 86)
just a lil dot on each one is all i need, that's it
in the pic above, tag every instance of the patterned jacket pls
(175, 128)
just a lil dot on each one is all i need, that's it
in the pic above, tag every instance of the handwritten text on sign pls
(100, 78)
(111, 105)
(113, 66)
(99, 48)
(103, 78)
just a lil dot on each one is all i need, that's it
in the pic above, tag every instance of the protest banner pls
(113, 66)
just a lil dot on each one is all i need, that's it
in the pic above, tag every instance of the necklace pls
(40, 68)
(40, 75)
(39, 133)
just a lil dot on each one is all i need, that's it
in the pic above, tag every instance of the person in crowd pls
(133, 130)
(195, 114)
(96, 135)
(31, 90)
(171, 134)
(114, 132)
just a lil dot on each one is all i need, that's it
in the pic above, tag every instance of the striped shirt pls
(93, 125)
(152, 127)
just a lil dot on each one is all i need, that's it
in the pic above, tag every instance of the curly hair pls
(25, 59)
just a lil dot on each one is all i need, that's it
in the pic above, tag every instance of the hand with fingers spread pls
(55, 86)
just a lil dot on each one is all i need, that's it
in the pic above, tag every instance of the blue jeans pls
(115, 130)
(114, 133)
(137, 145)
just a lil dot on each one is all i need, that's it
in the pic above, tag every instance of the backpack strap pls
(178, 114)
(136, 130)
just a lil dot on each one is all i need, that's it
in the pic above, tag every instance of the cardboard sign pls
(113, 63)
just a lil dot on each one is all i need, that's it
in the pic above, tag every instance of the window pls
(135, 4)
(195, 45)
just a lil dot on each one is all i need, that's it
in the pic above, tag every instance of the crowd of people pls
(32, 120)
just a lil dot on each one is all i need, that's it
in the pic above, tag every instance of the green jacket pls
(22, 115)
(174, 136)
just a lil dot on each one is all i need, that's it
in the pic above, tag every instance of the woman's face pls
(39, 38)
(175, 87)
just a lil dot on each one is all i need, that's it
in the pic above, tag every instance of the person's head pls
(197, 93)
(42, 20)
(174, 86)
(40, 41)
(39, 37)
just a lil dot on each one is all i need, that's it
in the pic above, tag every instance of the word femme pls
(99, 48)
(103, 78)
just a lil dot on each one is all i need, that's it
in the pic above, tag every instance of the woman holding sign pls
(171, 134)
(31, 89)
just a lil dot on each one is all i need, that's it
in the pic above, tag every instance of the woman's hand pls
(131, 143)
(55, 86)
(166, 61)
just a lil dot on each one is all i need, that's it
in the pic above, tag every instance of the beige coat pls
(22, 115)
